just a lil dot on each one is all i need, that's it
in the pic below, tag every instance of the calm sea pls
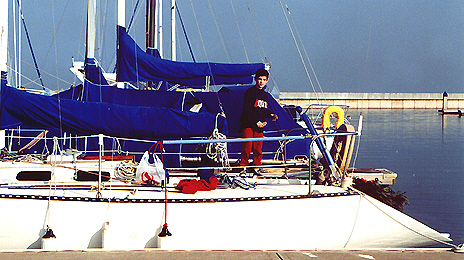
(426, 150)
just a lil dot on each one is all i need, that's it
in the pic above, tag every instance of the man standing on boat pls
(253, 120)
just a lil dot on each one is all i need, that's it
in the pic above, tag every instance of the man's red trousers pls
(257, 147)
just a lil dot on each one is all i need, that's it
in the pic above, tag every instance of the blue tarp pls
(85, 117)
(93, 72)
(105, 110)
(6, 120)
(130, 97)
(228, 99)
(134, 65)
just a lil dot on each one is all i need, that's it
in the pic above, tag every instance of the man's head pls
(261, 78)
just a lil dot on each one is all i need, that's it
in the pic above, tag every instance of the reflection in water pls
(443, 126)
(427, 151)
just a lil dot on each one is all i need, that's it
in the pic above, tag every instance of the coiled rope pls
(125, 171)
(218, 151)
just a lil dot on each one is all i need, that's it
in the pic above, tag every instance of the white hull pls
(260, 219)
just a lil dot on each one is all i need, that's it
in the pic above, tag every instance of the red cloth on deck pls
(191, 186)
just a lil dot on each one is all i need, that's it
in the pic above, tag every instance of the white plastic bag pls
(150, 171)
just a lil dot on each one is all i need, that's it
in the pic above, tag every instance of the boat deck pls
(265, 189)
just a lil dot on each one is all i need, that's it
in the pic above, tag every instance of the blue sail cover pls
(84, 117)
(99, 110)
(93, 72)
(228, 99)
(134, 64)
(6, 120)
(182, 101)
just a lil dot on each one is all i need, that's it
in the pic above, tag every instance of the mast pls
(154, 27)
(173, 30)
(160, 26)
(16, 84)
(91, 28)
(3, 52)
(20, 13)
(3, 37)
(151, 25)
(122, 23)
(122, 13)
(151, 39)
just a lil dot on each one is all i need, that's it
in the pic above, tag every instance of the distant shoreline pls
(375, 100)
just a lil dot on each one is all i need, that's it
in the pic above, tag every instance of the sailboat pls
(83, 193)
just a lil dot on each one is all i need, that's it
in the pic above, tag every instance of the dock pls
(450, 112)
(385, 254)
(435, 101)
(384, 176)
(445, 107)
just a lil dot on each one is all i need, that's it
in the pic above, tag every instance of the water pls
(426, 150)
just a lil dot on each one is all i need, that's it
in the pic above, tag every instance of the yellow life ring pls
(333, 109)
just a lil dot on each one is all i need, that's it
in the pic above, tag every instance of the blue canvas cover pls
(228, 99)
(130, 97)
(134, 65)
(6, 120)
(93, 72)
(85, 117)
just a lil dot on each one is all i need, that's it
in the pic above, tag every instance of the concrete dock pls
(376, 100)
(387, 254)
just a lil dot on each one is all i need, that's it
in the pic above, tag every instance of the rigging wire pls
(54, 40)
(354, 222)
(249, 30)
(304, 49)
(101, 36)
(135, 51)
(261, 46)
(79, 52)
(239, 31)
(133, 14)
(31, 80)
(179, 39)
(258, 33)
(221, 36)
(185, 33)
(299, 51)
(40, 72)
(367, 54)
(208, 78)
(30, 46)
(358, 142)
(363, 195)
(199, 31)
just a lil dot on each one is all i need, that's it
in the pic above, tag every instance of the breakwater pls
(376, 100)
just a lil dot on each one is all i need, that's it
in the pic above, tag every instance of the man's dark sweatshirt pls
(254, 109)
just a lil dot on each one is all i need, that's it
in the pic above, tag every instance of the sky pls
(352, 45)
